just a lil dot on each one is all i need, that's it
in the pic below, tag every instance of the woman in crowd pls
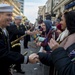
(46, 27)
(63, 55)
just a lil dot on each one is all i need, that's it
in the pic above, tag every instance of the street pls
(31, 69)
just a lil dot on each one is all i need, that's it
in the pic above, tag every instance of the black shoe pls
(20, 71)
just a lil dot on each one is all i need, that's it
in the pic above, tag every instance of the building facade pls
(60, 5)
(16, 5)
(41, 12)
(70, 6)
(21, 5)
(49, 6)
(13, 3)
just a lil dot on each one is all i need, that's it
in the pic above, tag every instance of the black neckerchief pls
(6, 38)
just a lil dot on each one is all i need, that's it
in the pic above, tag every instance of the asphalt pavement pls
(31, 69)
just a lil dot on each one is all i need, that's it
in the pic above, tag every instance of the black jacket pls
(60, 59)
(14, 32)
(7, 57)
(22, 28)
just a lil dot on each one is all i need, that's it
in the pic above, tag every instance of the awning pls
(70, 5)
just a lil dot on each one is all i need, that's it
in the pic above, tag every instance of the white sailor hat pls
(18, 17)
(6, 8)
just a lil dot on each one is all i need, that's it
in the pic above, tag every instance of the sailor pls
(8, 57)
(14, 33)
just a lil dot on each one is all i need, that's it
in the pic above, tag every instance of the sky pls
(31, 9)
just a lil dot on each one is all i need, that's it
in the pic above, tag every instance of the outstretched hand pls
(53, 44)
(28, 32)
(33, 58)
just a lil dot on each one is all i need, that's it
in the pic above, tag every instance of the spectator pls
(48, 16)
(60, 55)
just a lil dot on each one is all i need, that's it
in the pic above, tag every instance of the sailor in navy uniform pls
(14, 33)
(8, 57)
